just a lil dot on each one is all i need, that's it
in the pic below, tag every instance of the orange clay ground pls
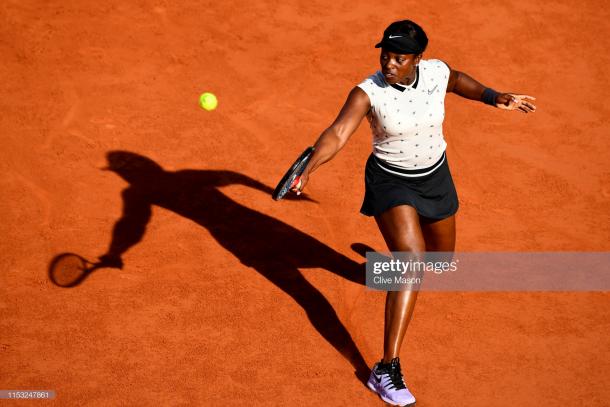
(230, 298)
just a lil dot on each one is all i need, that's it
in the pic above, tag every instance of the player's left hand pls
(512, 101)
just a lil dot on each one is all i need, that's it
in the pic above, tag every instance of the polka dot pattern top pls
(407, 121)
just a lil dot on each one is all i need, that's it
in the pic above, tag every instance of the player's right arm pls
(336, 135)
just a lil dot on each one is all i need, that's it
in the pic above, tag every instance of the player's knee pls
(412, 247)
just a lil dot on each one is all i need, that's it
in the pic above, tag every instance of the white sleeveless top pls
(407, 121)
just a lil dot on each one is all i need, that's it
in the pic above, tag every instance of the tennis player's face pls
(397, 68)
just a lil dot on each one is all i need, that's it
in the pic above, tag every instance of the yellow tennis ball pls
(208, 101)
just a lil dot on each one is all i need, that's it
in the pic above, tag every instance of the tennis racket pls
(293, 175)
(69, 269)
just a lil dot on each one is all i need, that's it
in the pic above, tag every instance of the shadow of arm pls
(130, 228)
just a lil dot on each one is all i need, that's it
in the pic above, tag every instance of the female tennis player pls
(409, 188)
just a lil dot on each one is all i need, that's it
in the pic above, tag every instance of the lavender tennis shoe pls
(386, 380)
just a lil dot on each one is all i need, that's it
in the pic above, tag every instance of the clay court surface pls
(229, 298)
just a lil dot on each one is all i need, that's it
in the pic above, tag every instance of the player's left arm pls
(467, 87)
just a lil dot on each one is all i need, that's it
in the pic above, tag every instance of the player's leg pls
(440, 235)
(401, 230)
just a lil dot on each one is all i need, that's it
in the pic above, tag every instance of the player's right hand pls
(299, 183)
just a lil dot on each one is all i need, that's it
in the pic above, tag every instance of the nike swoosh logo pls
(395, 36)
(432, 90)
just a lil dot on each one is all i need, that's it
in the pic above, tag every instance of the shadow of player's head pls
(133, 167)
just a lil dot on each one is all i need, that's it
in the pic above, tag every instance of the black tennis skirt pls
(432, 195)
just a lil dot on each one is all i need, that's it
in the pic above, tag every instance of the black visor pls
(399, 44)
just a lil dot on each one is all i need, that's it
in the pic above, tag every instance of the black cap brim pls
(394, 47)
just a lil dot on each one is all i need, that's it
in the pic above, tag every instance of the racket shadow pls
(68, 270)
(274, 249)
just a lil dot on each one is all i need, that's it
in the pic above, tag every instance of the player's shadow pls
(273, 248)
